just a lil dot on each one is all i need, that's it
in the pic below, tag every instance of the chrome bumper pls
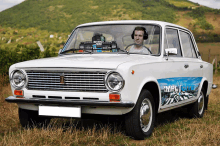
(68, 102)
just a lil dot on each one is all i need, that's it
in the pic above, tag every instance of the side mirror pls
(171, 51)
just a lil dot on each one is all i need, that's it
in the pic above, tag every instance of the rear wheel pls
(30, 119)
(197, 109)
(139, 122)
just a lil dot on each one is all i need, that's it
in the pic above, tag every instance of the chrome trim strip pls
(176, 106)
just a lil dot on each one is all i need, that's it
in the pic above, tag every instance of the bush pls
(21, 53)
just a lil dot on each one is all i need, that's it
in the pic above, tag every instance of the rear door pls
(194, 64)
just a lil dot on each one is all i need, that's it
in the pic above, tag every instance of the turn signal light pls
(18, 92)
(114, 97)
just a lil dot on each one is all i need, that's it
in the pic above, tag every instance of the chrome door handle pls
(201, 66)
(186, 65)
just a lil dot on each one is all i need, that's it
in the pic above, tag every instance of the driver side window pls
(172, 41)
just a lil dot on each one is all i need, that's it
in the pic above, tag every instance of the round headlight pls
(18, 79)
(114, 81)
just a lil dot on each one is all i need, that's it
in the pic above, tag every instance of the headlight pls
(18, 79)
(114, 81)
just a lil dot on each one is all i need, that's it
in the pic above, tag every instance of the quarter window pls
(187, 45)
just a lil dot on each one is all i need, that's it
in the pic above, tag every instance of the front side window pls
(137, 39)
(187, 45)
(172, 41)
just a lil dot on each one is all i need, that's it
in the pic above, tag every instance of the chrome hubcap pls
(201, 103)
(145, 115)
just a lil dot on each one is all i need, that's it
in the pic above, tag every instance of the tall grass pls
(172, 128)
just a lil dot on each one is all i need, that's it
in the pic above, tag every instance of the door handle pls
(186, 65)
(201, 66)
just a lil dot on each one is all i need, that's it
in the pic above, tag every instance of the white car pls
(96, 73)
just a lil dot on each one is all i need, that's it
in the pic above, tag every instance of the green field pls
(214, 51)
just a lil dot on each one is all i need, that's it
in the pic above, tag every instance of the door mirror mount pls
(59, 51)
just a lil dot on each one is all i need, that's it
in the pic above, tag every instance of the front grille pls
(66, 81)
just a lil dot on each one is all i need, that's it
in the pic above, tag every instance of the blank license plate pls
(60, 111)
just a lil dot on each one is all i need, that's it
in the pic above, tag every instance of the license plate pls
(60, 111)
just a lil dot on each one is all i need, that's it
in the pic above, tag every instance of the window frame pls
(190, 35)
(181, 48)
(165, 34)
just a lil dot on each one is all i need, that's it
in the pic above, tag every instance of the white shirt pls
(142, 50)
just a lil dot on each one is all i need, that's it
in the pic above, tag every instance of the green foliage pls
(205, 25)
(29, 37)
(199, 15)
(208, 37)
(21, 53)
(198, 12)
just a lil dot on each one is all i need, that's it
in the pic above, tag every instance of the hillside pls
(63, 15)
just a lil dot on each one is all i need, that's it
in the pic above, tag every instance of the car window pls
(187, 45)
(172, 41)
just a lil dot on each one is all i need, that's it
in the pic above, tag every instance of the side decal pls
(178, 89)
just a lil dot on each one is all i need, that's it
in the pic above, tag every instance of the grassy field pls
(214, 50)
(172, 127)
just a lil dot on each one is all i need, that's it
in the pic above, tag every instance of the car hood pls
(110, 61)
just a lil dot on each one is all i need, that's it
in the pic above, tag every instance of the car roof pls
(162, 23)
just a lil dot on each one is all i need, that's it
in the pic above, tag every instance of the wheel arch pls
(153, 88)
(205, 89)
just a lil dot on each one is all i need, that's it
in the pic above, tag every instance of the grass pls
(181, 3)
(214, 51)
(172, 128)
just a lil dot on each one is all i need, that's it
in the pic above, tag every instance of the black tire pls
(197, 109)
(134, 123)
(30, 119)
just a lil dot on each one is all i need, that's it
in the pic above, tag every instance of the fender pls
(202, 84)
(143, 83)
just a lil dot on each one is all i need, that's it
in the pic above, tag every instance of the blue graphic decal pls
(175, 90)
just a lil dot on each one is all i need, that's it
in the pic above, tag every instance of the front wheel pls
(139, 122)
(30, 119)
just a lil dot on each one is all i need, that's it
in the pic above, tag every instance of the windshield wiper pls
(68, 51)
(75, 50)
(88, 51)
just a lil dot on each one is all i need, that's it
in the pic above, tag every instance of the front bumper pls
(69, 102)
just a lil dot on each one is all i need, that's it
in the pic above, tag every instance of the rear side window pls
(187, 45)
(172, 41)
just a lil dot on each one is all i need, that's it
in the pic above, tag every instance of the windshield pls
(137, 39)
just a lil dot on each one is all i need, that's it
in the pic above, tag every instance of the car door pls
(178, 81)
(193, 63)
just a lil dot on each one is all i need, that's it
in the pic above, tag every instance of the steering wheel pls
(138, 45)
